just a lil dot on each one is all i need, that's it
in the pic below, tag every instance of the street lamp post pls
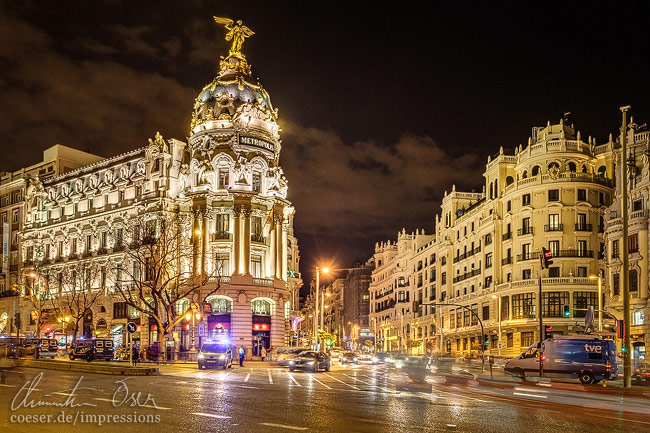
(198, 317)
(64, 321)
(600, 300)
(318, 271)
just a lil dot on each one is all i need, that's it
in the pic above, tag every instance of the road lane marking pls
(294, 380)
(320, 382)
(358, 380)
(10, 386)
(211, 415)
(144, 405)
(523, 394)
(519, 388)
(290, 427)
(270, 377)
(248, 376)
(347, 384)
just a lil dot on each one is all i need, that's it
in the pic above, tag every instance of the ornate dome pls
(230, 96)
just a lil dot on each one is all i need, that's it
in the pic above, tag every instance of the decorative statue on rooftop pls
(237, 32)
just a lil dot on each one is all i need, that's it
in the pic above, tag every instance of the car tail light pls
(609, 366)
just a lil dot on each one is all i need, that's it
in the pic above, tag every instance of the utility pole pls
(627, 346)
(539, 314)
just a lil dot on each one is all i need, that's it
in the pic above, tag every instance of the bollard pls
(491, 362)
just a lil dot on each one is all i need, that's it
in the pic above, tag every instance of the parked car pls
(641, 374)
(587, 357)
(216, 354)
(349, 357)
(365, 358)
(310, 360)
(91, 348)
(48, 348)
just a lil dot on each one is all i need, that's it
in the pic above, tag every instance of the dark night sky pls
(382, 108)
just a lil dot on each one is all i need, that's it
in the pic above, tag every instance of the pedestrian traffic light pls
(620, 329)
(547, 331)
(567, 311)
(546, 258)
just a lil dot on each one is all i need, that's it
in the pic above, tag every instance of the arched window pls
(262, 306)
(287, 310)
(524, 175)
(602, 170)
(509, 180)
(182, 305)
(572, 167)
(553, 165)
(535, 170)
(584, 168)
(496, 187)
(491, 191)
(220, 304)
(634, 280)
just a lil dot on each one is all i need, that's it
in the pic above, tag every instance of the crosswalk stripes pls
(292, 378)
(332, 377)
(270, 377)
(326, 386)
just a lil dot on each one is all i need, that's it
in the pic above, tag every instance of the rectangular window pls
(616, 284)
(88, 243)
(637, 205)
(104, 237)
(582, 271)
(488, 260)
(119, 310)
(553, 222)
(466, 319)
(257, 181)
(582, 194)
(223, 265)
(15, 216)
(488, 281)
(527, 339)
(633, 243)
(554, 246)
(486, 312)
(443, 278)
(488, 239)
(614, 249)
(554, 272)
(525, 200)
(526, 274)
(452, 320)
(223, 178)
(525, 252)
(582, 301)
(638, 318)
(509, 340)
(553, 195)
(582, 248)
(74, 246)
(508, 206)
(256, 266)
(523, 305)
(553, 303)
(505, 308)
(256, 229)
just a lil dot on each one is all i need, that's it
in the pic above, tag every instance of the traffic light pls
(620, 329)
(566, 311)
(486, 341)
(546, 258)
(17, 320)
(547, 331)
(416, 306)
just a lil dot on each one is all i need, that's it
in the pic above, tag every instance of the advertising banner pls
(5, 247)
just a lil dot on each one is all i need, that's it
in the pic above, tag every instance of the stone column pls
(271, 255)
(205, 232)
(278, 246)
(236, 240)
(247, 240)
(196, 242)
(283, 253)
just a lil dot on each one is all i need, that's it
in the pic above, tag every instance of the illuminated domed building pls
(226, 179)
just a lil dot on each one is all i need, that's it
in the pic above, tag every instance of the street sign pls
(201, 329)
(500, 344)
(131, 327)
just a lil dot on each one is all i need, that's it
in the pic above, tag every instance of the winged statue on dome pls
(237, 32)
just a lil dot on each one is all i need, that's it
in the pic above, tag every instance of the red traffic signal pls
(547, 255)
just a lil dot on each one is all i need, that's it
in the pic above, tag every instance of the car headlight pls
(310, 363)
(375, 359)
(388, 359)
(292, 362)
(222, 357)
(201, 356)
(356, 359)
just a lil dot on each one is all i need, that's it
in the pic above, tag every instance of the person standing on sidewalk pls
(241, 356)
(263, 353)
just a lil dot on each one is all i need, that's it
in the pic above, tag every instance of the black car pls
(310, 360)
(380, 358)
(641, 374)
(350, 357)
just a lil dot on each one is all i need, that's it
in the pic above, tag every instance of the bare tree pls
(79, 291)
(32, 285)
(161, 271)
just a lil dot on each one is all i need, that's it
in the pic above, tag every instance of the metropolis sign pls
(256, 142)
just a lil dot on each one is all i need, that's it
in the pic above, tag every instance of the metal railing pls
(582, 227)
(553, 227)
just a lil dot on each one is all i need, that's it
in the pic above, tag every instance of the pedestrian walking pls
(136, 354)
(241, 356)
(263, 353)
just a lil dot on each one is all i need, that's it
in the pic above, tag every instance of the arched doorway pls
(219, 310)
(262, 310)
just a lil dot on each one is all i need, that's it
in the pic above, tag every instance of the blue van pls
(590, 358)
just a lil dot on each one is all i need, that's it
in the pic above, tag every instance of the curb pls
(89, 368)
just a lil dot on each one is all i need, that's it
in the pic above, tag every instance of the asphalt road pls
(272, 399)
